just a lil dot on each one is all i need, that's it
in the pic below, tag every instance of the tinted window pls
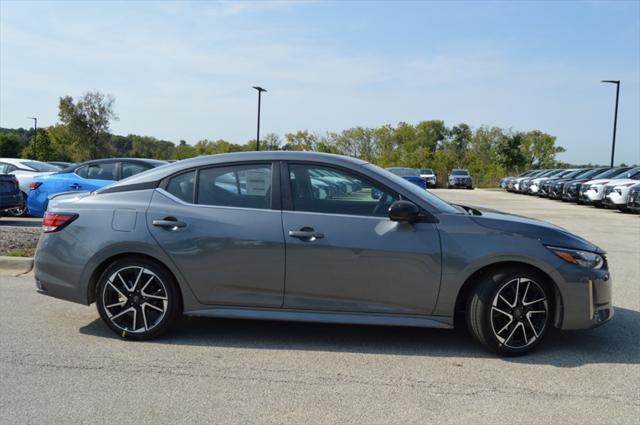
(6, 168)
(103, 171)
(426, 171)
(325, 190)
(131, 168)
(404, 171)
(459, 173)
(247, 186)
(181, 186)
(40, 166)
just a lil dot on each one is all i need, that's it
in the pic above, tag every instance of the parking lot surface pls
(60, 364)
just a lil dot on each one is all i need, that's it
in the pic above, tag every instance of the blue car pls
(89, 175)
(409, 174)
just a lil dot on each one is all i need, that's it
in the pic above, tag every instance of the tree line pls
(83, 133)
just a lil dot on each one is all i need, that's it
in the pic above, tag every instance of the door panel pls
(343, 252)
(361, 264)
(228, 255)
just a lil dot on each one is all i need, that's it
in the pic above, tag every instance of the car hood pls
(598, 181)
(620, 182)
(546, 233)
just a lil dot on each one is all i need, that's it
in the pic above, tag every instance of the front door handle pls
(306, 233)
(169, 223)
(75, 186)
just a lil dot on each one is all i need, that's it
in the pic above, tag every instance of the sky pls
(184, 70)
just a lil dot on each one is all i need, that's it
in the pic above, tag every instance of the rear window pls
(41, 166)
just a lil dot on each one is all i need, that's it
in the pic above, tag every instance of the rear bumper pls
(37, 203)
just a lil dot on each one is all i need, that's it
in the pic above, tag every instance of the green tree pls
(88, 120)
(183, 150)
(10, 146)
(300, 141)
(509, 152)
(539, 149)
(40, 149)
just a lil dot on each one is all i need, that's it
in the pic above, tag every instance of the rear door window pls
(247, 186)
(132, 168)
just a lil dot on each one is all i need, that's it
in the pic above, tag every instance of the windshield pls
(40, 166)
(580, 172)
(592, 173)
(565, 173)
(426, 171)
(404, 171)
(607, 173)
(459, 173)
(416, 190)
(622, 173)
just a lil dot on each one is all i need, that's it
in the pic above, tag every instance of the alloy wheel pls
(519, 313)
(135, 299)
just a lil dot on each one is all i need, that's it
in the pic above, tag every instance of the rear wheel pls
(137, 299)
(20, 211)
(510, 311)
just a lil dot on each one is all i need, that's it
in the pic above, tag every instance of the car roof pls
(206, 160)
(72, 167)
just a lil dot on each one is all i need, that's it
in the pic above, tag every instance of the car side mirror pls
(404, 211)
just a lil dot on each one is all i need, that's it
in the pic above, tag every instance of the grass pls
(20, 252)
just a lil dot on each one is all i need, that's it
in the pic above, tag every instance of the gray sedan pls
(313, 237)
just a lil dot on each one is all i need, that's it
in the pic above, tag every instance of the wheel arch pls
(99, 270)
(471, 281)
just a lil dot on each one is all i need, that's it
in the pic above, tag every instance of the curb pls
(15, 266)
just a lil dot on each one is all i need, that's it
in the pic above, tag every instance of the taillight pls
(54, 222)
(34, 185)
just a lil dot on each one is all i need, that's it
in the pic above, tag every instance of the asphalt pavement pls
(60, 364)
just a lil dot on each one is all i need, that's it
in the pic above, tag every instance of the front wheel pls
(510, 311)
(137, 299)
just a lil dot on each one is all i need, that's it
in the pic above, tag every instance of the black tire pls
(145, 302)
(21, 211)
(485, 311)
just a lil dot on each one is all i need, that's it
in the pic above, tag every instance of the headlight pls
(586, 259)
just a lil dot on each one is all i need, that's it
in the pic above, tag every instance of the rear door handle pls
(75, 186)
(306, 233)
(169, 223)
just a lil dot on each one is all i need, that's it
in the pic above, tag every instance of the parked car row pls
(600, 186)
(426, 178)
(38, 181)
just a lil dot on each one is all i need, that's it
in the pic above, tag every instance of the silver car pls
(258, 235)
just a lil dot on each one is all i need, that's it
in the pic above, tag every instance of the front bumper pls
(615, 199)
(586, 300)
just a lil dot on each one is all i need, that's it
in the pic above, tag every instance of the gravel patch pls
(12, 237)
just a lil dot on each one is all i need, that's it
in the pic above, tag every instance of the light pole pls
(260, 90)
(615, 118)
(35, 136)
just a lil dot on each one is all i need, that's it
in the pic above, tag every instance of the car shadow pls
(614, 343)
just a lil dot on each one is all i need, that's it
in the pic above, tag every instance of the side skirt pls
(441, 322)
